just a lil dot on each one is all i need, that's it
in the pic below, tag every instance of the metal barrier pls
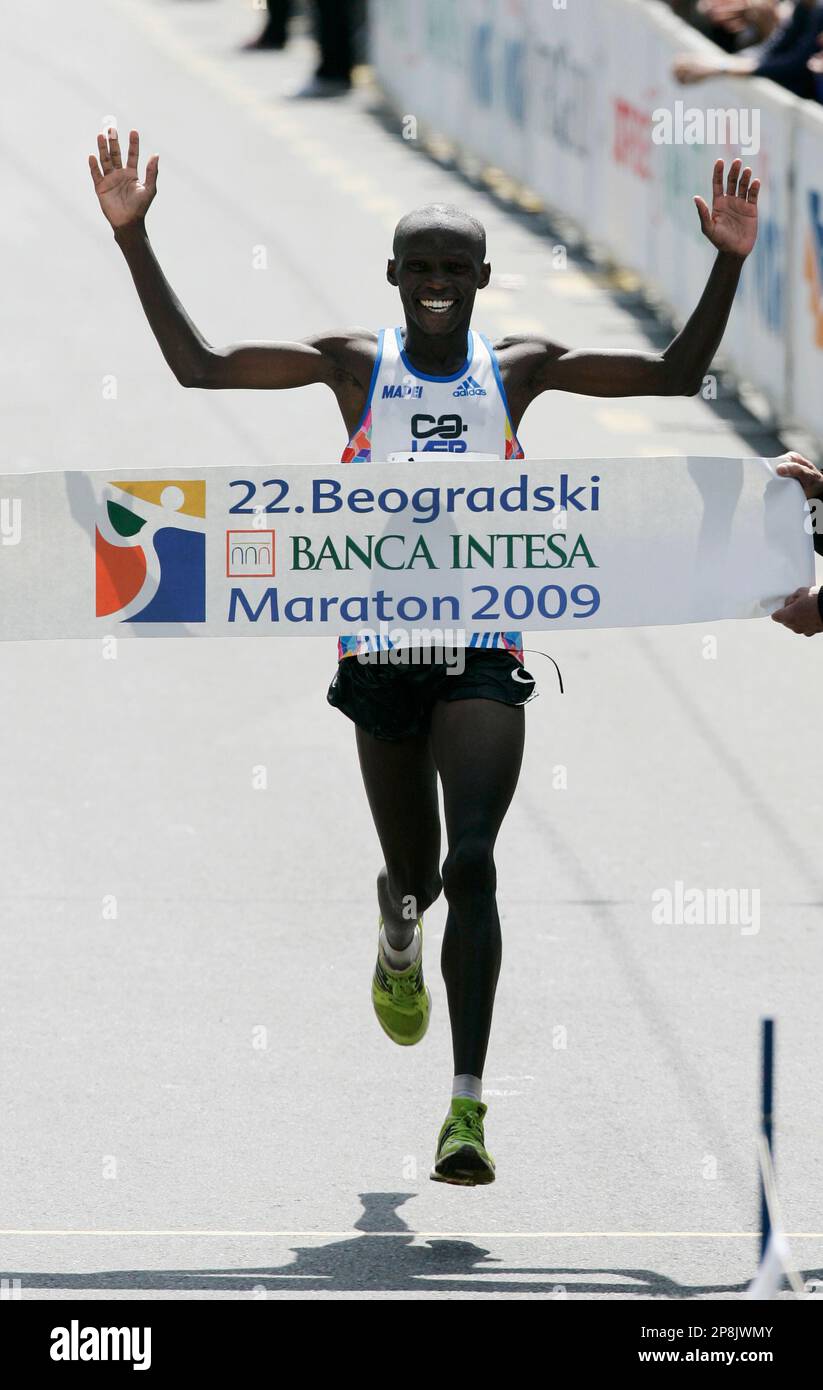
(575, 100)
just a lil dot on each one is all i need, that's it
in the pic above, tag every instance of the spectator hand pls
(689, 68)
(810, 478)
(731, 225)
(801, 613)
(815, 64)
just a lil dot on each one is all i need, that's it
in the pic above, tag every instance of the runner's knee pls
(468, 870)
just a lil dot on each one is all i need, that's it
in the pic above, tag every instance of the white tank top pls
(412, 413)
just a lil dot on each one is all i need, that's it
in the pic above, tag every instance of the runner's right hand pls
(123, 197)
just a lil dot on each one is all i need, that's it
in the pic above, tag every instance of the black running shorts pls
(395, 700)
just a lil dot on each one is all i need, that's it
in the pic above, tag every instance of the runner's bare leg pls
(401, 785)
(478, 750)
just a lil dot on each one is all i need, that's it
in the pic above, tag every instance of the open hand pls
(731, 225)
(123, 197)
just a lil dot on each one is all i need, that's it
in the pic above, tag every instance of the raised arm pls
(124, 200)
(731, 227)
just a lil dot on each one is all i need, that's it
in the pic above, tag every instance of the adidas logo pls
(469, 387)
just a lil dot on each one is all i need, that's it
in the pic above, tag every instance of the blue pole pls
(766, 1117)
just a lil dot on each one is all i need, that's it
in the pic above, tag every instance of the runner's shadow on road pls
(383, 1258)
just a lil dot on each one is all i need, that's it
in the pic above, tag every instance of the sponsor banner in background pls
(397, 50)
(448, 41)
(496, 83)
(408, 551)
(757, 337)
(692, 126)
(565, 107)
(577, 101)
(807, 273)
(627, 160)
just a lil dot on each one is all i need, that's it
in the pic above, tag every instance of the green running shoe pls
(400, 998)
(461, 1156)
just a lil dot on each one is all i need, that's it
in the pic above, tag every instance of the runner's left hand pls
(731, 225)
(800, 613)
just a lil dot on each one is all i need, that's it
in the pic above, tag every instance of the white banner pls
(407, 550)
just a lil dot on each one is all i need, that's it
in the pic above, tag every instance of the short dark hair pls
(436, 215)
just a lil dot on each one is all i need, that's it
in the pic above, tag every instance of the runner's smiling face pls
(438, 272)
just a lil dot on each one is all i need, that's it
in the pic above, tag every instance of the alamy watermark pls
(698, 907)
(76, 1343)
(710, 125)
(415, 646)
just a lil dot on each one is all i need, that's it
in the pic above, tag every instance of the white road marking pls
(434, 1235)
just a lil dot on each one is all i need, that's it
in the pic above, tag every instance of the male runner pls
(415, 723)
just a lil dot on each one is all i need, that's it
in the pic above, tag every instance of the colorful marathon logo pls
(150, 552)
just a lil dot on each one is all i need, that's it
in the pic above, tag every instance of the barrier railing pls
(576, 100)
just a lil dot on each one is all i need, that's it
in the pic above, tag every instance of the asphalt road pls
(197, 1099)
